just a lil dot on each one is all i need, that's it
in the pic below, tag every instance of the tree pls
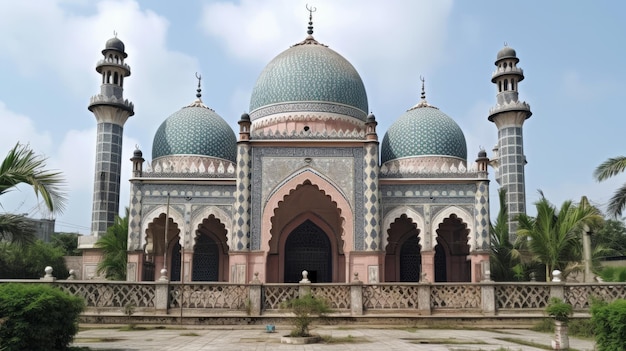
(504, 256)
(611, 235)
(606, 170)
(114, 245)
(22, 165)
(68, 242)
(29, 262)
(553, 237)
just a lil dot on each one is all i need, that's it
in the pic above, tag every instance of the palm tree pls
(504, 256)
(608, 169)
(553, 237)
(22, 165)
(114, 245)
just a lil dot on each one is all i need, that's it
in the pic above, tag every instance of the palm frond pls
(17, 229)
(610, 168)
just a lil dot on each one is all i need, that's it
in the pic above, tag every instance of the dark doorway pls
(308, 248)
(206, 260)
(410, 260)
(175, 262)
(441, 270)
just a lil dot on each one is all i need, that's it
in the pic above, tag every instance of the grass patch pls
(349, 339)
(449, 341)
(189, 334)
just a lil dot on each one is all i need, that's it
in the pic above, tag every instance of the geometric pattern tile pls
(481, 216)
(423, 131)
(310, 72)
(195, 130)
(371, 199)
(241, 209)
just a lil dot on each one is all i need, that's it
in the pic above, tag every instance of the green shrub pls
(305, 308)
(609, 321)
(37, 317)
(559, 310)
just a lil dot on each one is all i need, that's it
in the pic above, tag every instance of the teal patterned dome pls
(423, 131)
(195, 130)
(309, 72)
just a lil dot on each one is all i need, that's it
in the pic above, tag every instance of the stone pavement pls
(362, 338)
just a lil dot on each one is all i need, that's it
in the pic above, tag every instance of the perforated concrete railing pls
(390, 296)
(454, 296)
(522, 296)
(337, 296)
(111, 294)
(209, 295)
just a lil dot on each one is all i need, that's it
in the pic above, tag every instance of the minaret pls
(509, 115)
(111, 111)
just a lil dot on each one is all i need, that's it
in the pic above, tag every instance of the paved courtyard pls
(342, 338)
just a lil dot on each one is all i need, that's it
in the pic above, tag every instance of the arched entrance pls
(452, 251)
(157, 244)
(175, 263)
(308, 248)
(206, 260)
(403, 261)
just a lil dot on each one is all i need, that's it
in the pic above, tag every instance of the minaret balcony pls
(111, 62)
(501, 71)
(100, 99)
(509, 106)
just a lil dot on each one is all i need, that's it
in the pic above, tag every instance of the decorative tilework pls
(309, 73)
(195, 130)
(134, 217)
(371, 199)
(423, 131)
(481, 216)
(241, 209)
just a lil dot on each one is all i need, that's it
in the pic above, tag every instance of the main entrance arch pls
(308, 248)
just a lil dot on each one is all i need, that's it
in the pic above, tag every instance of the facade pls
(306, 185)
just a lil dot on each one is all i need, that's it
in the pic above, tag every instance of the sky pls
(572, 54)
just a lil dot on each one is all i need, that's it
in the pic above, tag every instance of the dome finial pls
(199, 90)
(311, 9)
(423, 90)
(423, 102)
(115, 33)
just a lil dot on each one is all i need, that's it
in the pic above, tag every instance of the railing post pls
(305, 285)
(557, 288)
(356, 296)
(488, 297)
(423, 295)
(161, 295)
(255, 296)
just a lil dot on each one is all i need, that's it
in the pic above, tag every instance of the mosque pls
(307, 184)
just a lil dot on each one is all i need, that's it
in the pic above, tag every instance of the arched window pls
(115, 78)
(506, 84)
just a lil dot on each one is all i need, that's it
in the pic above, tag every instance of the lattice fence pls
(209, 296)
(338, 296)
(522, 296)
(580, 296)
(383, 296)
(274, 295)
(111, 294)
(455, 296)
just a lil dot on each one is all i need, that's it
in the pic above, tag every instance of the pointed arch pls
(326, 187)
(220, 215)
(176, 216)
(460, 213)
(417, 218)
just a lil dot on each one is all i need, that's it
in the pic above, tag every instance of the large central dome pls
(309, 78)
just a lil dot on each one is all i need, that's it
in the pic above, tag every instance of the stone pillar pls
(423, 298)
(161, 296)
(371, 198)
(428, 265)
(356, 296)
(255, 296)
(488, 297)
(557, 288)
(305, 285)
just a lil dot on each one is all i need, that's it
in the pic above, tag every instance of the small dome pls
(423, 131)
(482, 153)
(195, 130)
(309, 72)
(506, 52)
(115, 44)
(137, 153)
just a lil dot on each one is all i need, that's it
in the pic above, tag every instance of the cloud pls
(22, 128)
(255, 31)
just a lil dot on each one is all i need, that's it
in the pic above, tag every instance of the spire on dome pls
(423, 102)
(198, 102)
(309, 39)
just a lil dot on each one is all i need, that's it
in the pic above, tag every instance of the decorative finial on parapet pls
(305, 277)
(311, 9)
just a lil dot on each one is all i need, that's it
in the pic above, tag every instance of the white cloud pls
(22, 128)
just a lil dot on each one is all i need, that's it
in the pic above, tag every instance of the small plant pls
(559, 310)
(609, 322)
(306, 308)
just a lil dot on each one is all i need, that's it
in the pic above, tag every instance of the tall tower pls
(111, 111)
(509, 115)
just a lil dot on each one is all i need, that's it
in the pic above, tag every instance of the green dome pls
(195, 130)
(423, 131)
(309, 72)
